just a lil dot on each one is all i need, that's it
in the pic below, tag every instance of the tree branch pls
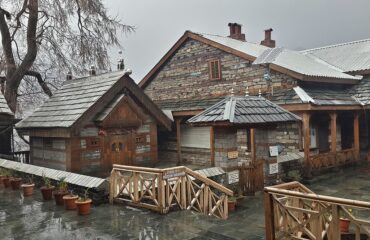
(18, 16)
(41, 82)
(7, 42)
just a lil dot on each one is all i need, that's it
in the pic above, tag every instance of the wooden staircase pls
(163, 190)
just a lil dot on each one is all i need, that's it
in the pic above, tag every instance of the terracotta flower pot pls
(6, 182)
(70, 201)
(47, 193)
(27, 189)
(15, 183)
(344, 224)
(83, 206)
(231, 205)
(58, 196)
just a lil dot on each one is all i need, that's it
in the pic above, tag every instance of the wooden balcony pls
(329, 160)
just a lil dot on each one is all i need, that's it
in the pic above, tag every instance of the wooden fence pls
(163, 190)
(332, 159)
(251, 178)
(292, 211)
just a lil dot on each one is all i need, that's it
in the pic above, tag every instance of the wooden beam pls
(333, 131)
(307, 140)
(186, 113)
(212, 141)
(356, 134)
(178, 139)
(253, 144)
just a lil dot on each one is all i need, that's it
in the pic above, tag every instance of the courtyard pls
(31, 218)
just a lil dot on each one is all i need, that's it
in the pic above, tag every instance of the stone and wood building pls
(330, 95)
(93, 122)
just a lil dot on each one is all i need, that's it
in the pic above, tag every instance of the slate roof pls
(187, 104)
(315, 95)
(252, 49)
(244, 110)
(350, 56)
(4, 108)
(71, 101)
(301, 63)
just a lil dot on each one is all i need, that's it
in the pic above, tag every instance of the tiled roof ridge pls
(334, 45)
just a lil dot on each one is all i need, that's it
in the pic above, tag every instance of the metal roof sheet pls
(350, 56)
(4, 108)
(301, 63)
(244, 110)
(68, 104)
(252, 49)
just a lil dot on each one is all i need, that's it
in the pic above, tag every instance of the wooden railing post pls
(269, 216)
(335, 229)
(161, 194)
(112, 186)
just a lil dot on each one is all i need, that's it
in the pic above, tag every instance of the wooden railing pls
(22, 156)
(162, 190)
(292, 211)
(332, 159)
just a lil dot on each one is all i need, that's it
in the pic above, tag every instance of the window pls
(214, 70)
(313, 137)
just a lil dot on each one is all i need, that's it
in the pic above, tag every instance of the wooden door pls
(118, 149)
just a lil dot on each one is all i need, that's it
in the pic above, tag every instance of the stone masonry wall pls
(225, 141)
(186, 75)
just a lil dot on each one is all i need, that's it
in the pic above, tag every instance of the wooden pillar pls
(178, 139)
(356, 135)
(333, 132)
(253, 145)
(307, 141)
(212, 146)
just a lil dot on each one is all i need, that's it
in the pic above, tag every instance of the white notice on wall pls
(274, 152)
(274, 168)
(233, 177)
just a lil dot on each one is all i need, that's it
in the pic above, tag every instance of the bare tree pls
(40, 36)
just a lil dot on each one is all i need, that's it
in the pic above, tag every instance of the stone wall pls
(186, 75)
(225, 141)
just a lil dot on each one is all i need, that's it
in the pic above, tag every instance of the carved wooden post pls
(356, 135)
(269, 216)
(307, 142)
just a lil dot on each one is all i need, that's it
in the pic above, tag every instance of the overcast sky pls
(297, 24)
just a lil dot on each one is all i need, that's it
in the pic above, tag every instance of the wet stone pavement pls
(31, 218)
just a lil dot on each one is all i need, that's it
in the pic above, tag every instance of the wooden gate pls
(251, 178)
(167, 189)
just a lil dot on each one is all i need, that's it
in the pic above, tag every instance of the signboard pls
(233, 177)
(232, 155)
(274, 151)
(173, 173)
(273, 168)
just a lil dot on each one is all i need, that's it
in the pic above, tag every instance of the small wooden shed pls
(94, 122)
(7, 122)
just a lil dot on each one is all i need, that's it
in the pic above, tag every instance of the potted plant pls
(61, 191)
(84, 203)
(231, 203)
(344, 221)
(6, 178)
(47, 189)
(70, 201)
(28, 187)
(15, 181)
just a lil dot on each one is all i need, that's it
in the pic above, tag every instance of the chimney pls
(69, 75)
(236, 31)
(268, 42)
(92, 71)
(120, 64)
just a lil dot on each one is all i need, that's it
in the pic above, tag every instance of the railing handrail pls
(181, 168)
(319, 198)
